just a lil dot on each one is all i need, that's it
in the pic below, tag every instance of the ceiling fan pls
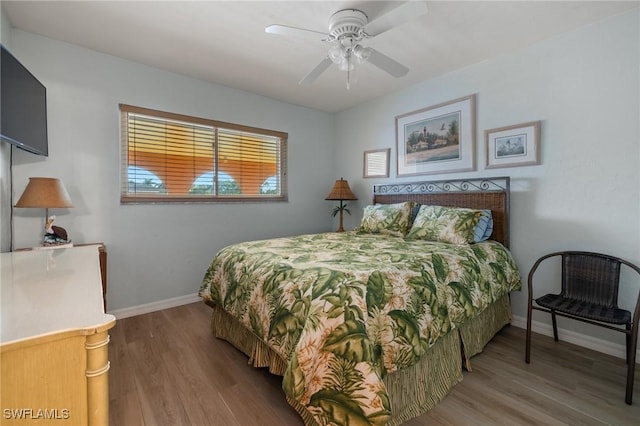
(347, 29)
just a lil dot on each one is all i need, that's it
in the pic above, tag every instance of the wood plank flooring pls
(168, 369)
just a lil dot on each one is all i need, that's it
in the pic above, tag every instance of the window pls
(269, 186)
(141, 180)
(204, 184)
(176, 158)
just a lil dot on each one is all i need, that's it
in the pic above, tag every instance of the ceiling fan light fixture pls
(349, 27)
(361, 53)
(337, 53)
(347, 64)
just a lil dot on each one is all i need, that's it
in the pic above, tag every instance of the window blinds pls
(171, 157)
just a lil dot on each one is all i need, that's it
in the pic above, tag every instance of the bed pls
(372, 326)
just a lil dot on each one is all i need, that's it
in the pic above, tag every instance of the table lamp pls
(341, 191)
(45, 193)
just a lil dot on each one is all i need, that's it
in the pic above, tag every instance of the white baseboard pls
(604, 346)
(155, 306)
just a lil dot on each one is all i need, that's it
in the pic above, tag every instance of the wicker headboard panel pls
(482, 193)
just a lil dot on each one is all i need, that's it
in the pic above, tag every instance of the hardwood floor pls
(168, 369)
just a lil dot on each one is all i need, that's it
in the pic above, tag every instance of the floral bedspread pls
(345, 309)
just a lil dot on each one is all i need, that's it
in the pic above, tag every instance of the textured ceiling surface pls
(224, 41)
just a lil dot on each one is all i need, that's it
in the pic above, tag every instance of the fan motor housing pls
(347, 23)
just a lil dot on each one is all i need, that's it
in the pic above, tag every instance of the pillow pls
(392, 219)
(445, 224)
(484, 227)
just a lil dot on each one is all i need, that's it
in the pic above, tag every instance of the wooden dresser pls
(53, 338)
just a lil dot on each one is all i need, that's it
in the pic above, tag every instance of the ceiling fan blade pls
(387, 64)
(296, 32)
(398, 16)
(315, 73)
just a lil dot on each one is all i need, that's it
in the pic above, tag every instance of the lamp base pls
(54, 235)
(53, 246)
(340, 228)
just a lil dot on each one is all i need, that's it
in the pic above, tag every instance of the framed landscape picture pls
(517, 145)
(437, 139)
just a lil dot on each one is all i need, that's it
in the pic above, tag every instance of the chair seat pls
(584, 309)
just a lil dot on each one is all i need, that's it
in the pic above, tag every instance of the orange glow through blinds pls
(179, 153)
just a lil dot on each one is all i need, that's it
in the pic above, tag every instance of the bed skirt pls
(412, 391)
(476, 333)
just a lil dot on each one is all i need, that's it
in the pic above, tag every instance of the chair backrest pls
(591, 278)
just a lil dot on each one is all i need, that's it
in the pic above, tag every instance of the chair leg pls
(555, 325)
(631, 365)
(527, 357)
(628, 337)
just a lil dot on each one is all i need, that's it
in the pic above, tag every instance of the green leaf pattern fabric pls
(444, 224)
(392, 219)
(345, 309)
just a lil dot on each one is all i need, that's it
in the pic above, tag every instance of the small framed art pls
(376, 163)
(511, 146)
(437, 139)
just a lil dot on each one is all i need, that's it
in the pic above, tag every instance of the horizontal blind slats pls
(175, 158)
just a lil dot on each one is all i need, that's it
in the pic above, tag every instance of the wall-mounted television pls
(24, 106)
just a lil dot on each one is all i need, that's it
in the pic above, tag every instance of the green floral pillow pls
(392, 219)
(444, 224)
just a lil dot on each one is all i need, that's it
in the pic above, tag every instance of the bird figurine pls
(54, 235)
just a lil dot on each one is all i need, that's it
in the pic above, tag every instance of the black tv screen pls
(24, 106)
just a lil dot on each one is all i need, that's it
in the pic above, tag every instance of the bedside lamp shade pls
(45, 193)
(341, 192)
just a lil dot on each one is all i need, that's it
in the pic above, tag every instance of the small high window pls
(176, 158)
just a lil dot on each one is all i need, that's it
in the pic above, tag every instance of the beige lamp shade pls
(341, 191)
(45, 192)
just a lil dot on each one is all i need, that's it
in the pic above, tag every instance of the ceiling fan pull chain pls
(348, 78)
(348, 69)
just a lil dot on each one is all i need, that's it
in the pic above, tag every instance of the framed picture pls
(376, 163)
(437, 139)
(511, 146)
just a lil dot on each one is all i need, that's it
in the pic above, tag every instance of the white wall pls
(5, 159)
(583, 85)
(156, 252)
(585, 195)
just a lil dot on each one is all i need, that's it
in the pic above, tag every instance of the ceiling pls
(224, 41)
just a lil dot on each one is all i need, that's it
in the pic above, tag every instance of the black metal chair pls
(590, 283)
